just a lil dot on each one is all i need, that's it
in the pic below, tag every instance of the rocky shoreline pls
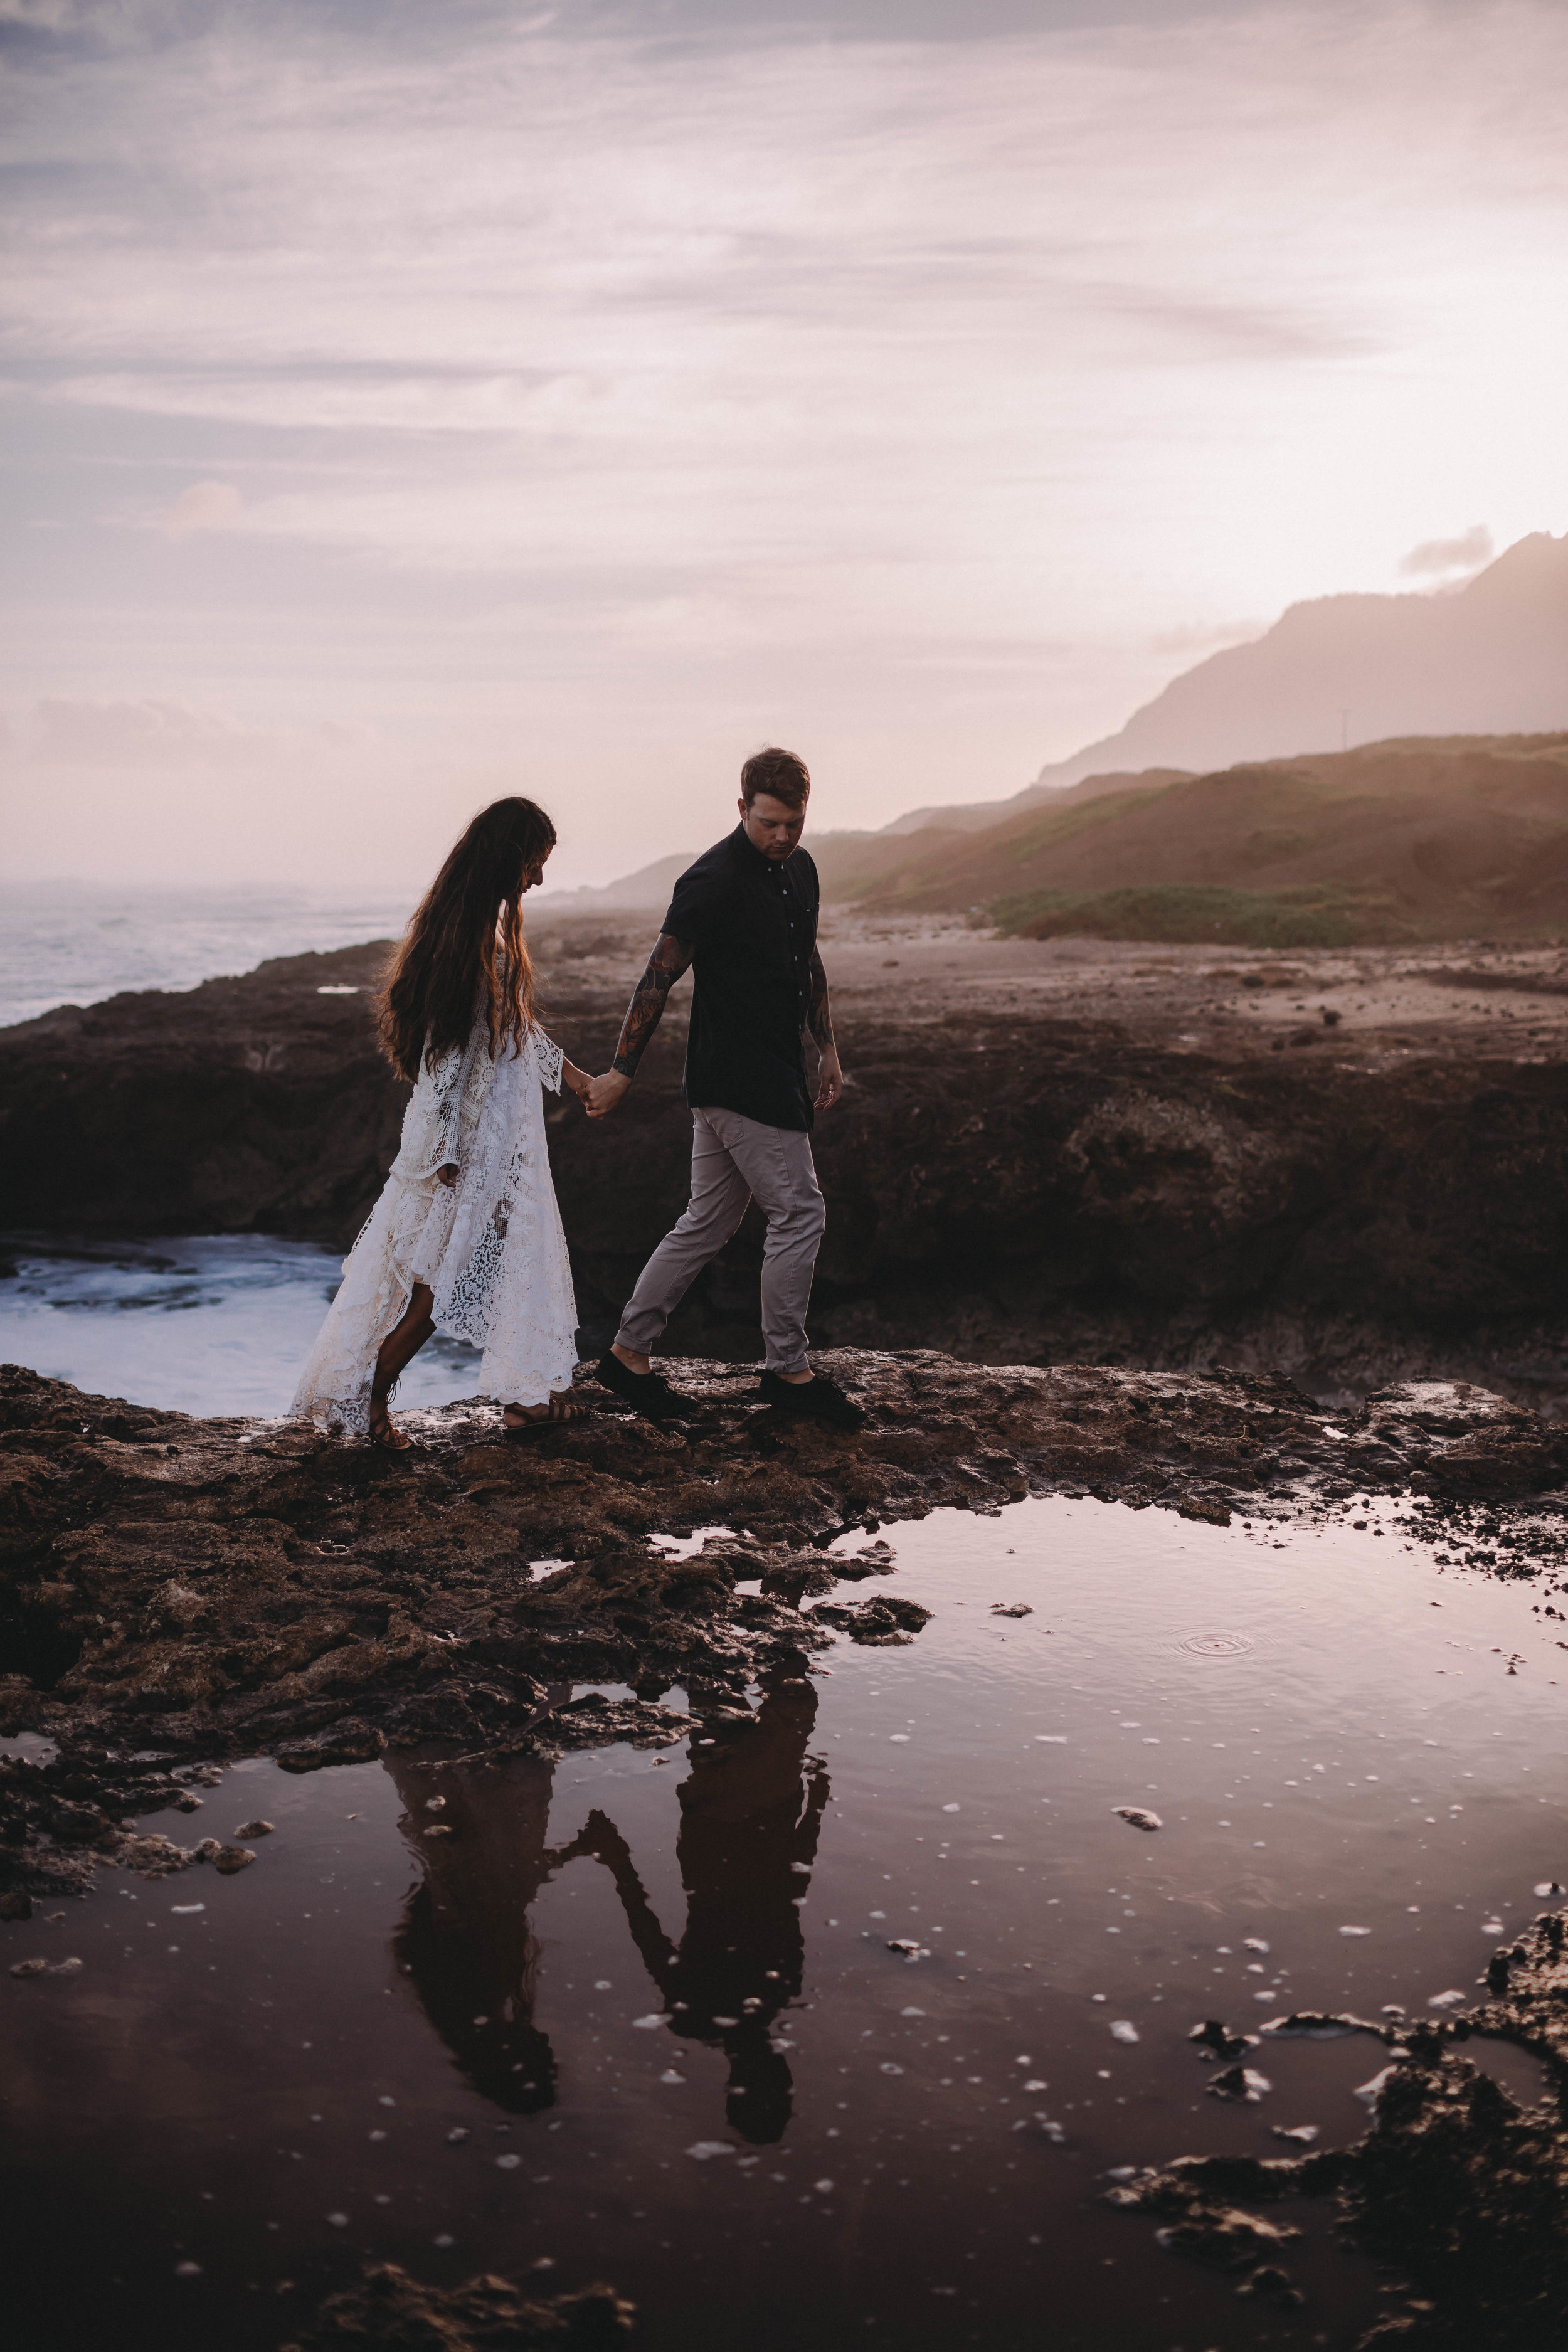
(203, 1589)
(1048, 1152)
(175, 1591)
(1458, 2189)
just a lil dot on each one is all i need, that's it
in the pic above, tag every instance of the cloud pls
(524, 381)
(1467, 553)
(143, 734)
(205, 506)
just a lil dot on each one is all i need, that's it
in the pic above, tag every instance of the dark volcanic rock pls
(390, 2312)
(1459, 2189)
(1033, 1187)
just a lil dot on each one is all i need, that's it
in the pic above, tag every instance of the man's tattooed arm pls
(669, 959)
(818, 1015)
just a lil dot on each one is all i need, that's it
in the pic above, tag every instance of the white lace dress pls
(490, 1247)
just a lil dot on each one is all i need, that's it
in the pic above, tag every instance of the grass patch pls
(1307, 915)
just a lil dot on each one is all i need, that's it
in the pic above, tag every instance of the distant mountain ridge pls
(1490, 658)
(1479, 663)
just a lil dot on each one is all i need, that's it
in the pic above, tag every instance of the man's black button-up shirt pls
(751, 923)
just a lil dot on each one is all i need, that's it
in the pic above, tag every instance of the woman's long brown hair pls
(463, 952)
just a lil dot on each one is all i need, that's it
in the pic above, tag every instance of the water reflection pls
(751, 1810)
(465, 1940)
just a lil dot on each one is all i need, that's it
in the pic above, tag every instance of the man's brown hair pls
(779, 774)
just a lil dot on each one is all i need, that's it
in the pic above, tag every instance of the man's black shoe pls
(650, 1393)
(818, 1399)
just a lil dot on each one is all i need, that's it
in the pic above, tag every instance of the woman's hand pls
(578, 1080)
(604, 1093)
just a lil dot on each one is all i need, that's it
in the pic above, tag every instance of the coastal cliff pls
(1026, 1166)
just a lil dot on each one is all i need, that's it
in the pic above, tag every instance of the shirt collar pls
(760, 860)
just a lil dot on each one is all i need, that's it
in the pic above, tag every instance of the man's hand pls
(829, 1078)
(448, 1175)
(604, 1093)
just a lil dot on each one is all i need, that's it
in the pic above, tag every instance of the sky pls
(406, 404)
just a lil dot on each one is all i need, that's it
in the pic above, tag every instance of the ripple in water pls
(1217, 1645)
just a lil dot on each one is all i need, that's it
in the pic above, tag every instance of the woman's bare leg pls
(399, 1347)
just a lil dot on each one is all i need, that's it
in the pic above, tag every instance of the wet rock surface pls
(390, 2312)
(1460, 2191)
(174, 1588)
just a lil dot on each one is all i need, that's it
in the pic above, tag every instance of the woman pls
(466, 1238)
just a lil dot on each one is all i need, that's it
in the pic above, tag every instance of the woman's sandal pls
(389, 1438)
(545, 1416)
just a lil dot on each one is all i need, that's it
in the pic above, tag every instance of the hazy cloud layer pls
(1467, 553)
(535, 399)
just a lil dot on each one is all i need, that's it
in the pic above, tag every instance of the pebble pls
(1011, 1609)
(702, 2149)
(1123, 2029)
(230, 1858)
(1138, 1817)
(1355, 1931)
(254, 1829)
(1239, 2083)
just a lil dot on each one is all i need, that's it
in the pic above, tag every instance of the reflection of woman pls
(466, 1238)
(465, 1939)
(745, 1847)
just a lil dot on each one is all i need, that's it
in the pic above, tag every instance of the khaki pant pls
(736, 1160)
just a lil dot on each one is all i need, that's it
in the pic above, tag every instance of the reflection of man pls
(465, 1938)
(745, 1847)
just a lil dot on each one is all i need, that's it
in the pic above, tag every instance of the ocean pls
(191, 1323)
(78, 942)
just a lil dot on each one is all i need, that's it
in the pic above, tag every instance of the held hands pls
(829, 1078)
(600, 1095)
(578, 1080)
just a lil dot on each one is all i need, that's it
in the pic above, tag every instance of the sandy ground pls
(1363, 1006)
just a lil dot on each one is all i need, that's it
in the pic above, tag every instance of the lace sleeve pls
(549, 1057)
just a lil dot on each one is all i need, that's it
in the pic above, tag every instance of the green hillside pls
(1424, 837)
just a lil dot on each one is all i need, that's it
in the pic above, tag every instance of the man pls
(745, 919)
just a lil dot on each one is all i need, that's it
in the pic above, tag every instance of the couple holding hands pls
(466, 1238)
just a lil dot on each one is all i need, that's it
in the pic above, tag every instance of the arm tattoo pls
(818, 1016)
(669, 959)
